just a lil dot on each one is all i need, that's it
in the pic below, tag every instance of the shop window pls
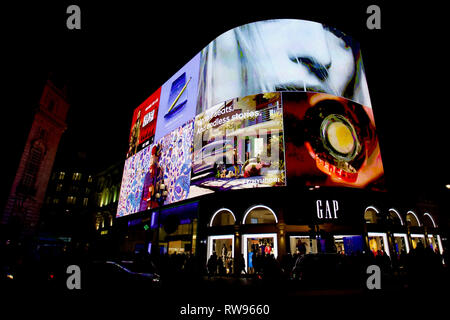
(412, 220)
(258, 245)
(418, 241)
(401, 244)
(378, 243)
(223, 247)
(260, 215)
(222, 217)
(302, 243)
(371, 215)
(435, 243)
(348, 244)
(177, 246)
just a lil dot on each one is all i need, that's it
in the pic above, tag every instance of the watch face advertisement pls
(144, 124)
(330, 141)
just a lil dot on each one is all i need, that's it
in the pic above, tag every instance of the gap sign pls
(327, 209)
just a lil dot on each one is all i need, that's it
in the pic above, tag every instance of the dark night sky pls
(126, 51)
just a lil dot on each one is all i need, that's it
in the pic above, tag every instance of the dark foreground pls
(325, 286)
(195, 296)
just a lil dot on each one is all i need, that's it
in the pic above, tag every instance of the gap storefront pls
(316, 220)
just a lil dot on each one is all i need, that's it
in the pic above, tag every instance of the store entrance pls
(257, 247)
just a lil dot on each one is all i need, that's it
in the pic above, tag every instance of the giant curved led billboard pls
(266, 104)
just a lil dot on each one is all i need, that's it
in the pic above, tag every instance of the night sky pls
(126, 51)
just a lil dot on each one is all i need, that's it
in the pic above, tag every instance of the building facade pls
(282, 221)
(265, 143)
(69, 196)
(30, 183)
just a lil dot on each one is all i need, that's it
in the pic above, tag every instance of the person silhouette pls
(212, 265)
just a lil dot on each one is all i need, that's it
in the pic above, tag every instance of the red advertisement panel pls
(144, 123)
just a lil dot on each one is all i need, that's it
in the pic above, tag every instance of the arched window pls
(371, 215)
(259, 214)
(429, 221)
(396, 217)
(412, 220)
(222, 217)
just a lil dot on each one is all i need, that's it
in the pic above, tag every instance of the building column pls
(237, 250)
(408, 236)
(426, 242)
(390, 243)
(281, 235)
(366, 238)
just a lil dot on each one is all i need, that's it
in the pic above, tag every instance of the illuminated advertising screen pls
(159, 174)
(131, 189)
(267, 104)
(239, 144)
(178, 99)
(281, 55)
(143, 125)
(330, 141)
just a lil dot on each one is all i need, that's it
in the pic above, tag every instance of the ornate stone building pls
(27, 193)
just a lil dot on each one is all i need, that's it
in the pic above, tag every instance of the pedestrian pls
(212, 265)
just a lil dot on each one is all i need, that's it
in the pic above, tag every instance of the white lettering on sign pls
(330, 210)
(151, 105)
(148, 118)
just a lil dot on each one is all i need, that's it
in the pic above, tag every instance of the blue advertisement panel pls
(178, 99)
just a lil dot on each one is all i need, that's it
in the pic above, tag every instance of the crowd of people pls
(418, 268)
(421, 266)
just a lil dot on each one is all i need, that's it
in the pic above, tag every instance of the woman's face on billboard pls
(300, 56)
